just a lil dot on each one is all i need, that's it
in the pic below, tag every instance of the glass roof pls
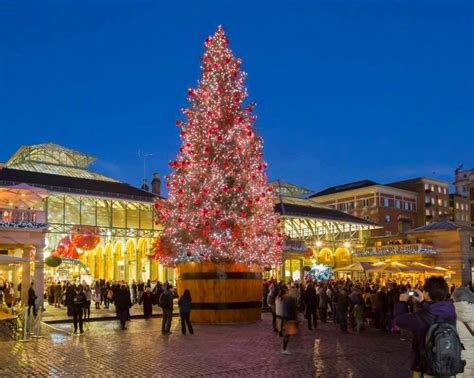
(54, 159)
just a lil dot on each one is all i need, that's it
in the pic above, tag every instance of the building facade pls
(459, 209)
(394, 209)
(432, 198)
(72, 199)
(464, 185)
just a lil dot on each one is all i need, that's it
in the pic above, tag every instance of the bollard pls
(37, 321)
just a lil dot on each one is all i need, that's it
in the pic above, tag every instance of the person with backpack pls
(166, 303)
(77, 308)
(436, 347)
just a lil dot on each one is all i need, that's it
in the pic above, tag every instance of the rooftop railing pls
(22, 218)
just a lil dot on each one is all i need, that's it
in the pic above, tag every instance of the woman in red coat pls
(146, 299)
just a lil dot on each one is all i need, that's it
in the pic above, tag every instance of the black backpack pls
(442, 354)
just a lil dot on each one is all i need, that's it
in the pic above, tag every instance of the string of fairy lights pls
(220, 207)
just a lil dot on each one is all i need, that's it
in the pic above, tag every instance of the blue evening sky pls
(345, 90)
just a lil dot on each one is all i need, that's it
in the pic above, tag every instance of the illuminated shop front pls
(317, 238)
(77, 202)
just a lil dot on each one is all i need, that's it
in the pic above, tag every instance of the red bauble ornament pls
(189, 254)
(179, 123)
(191, 92)
(243, 214)
(85, 237)
(180, 220)
(66, 249)
(309, 252)
(197, 202)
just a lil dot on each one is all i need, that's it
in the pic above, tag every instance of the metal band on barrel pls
(226, 306)
(220, 276)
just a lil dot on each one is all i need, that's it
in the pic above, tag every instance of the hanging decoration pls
(85, 237)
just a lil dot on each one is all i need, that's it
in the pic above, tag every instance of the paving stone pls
(249, 350)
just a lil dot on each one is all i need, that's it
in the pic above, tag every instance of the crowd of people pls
(78, 298)
(388, 307)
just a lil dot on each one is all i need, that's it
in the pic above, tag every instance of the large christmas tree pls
(220, 207)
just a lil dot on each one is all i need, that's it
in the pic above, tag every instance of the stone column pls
(39, 275)
(25, 277)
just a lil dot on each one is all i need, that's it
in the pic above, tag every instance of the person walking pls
(32, 299)
(77, 308)
(58, 293)
(166, 303)
(87, 304)
(272, 294)
(310, 300)
(184, 304)
(70, 293)
(122, 303)
(147, 299)
(323, 303)
(289, 320)
(343, 303)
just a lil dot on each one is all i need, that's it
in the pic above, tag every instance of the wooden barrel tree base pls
(222, 293)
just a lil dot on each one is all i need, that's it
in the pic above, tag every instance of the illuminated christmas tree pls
(220, 207)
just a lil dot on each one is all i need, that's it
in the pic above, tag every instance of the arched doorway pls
(99, 263)
(90, 262)
(119, 263)
(109, 263)
(131, 268)
(342, 256)
(326, 257)
(143, 260)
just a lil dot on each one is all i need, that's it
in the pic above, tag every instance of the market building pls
(52, 188)
(447, 245)
(316, 236)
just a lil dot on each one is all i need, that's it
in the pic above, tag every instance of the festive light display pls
(85, 237)
(66, 248)
(220, 207)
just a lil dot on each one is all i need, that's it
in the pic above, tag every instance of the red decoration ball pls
(188, 254)
(191, 92)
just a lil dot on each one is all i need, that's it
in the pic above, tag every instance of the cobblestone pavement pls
(53, 314)
(250, 350)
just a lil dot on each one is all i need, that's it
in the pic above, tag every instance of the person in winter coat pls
(280, 321)
(77, 308)
(166, 303)
(70, 293)
(87, 305)
(464, 304)
(310, 300)
(323, 303)
(122, 303)
(289, 315)
(343, 303)
(184, 304)
(272, 294)
(32, 299)
(146, 299)
(58, 294)
(435, 305)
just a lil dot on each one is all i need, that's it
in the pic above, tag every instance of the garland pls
(23, 225)
(401, 251)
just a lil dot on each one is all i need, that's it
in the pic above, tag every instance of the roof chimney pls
(156, 184)
(145, 185)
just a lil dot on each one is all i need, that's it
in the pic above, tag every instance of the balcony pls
(397, 249)
(20, 218)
